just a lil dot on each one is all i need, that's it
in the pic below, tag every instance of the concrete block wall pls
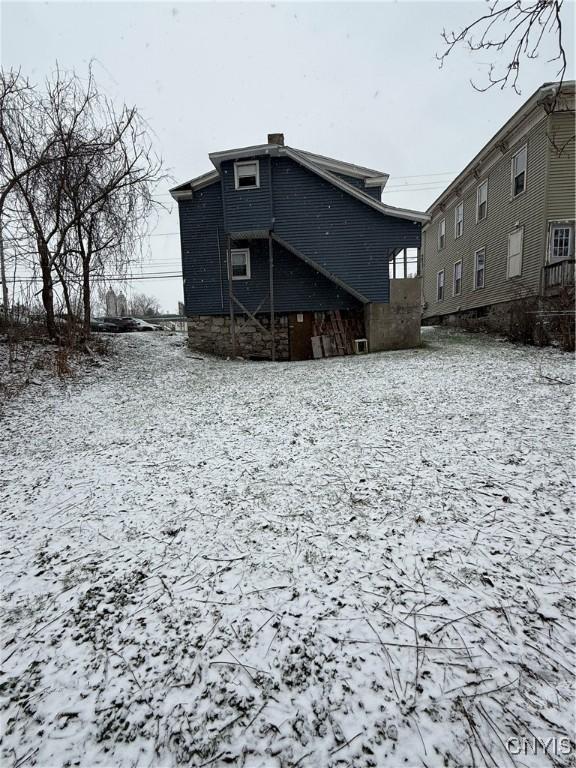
(211, 334)
(396, 325)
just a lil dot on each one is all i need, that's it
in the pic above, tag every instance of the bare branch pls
(515, 31)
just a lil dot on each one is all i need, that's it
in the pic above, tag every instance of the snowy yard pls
(350, 562)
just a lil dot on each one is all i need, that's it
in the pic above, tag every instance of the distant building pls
(111, 303)
(121, 305)
(504, 228)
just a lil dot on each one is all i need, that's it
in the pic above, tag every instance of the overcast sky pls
(356, 81)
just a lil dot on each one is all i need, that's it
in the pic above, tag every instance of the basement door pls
(300, 328)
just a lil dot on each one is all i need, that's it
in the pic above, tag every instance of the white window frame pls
(454, 291)
(519, 231)
(442, 234)
(459, 207)
(478, 188)
(243, 163)
(245, 252)
(552, 225)
(440, 285)
(477, 286)
(514, 175)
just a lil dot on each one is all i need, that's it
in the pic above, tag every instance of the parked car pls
(139, 325)
(121, 324)
(103, 326)
(127, 324)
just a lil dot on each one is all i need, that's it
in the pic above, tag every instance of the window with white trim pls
(240, 260)
(459, 220)
(441, 234)
(560, 241)
(482, 201)
(457, 279)
(515, 252)
(519, 161)
(479, 268)
(440, 286)
(247, 174)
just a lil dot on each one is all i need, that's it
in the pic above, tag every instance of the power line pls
(127, 279)
(414, 187)
(423, 189)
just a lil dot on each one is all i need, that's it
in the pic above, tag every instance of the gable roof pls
(325, 167)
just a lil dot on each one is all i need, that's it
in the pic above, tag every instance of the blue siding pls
(373, 192)
(297, 287)
(247, 208)
(343, 235)
(201, 221)
(358, 183)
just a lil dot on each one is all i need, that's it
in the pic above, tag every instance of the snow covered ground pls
(350, 562)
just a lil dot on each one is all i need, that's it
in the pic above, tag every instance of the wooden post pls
(405, 262)
(272, 319)
(231, 297)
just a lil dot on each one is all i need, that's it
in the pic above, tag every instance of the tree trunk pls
(5, 297)
(47, 289)
(86, 298)
(66, 294)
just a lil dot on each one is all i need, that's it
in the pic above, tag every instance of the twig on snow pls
(346, 743)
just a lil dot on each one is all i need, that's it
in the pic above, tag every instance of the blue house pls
(285, 255)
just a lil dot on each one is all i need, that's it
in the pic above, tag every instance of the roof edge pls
(341, 166)
(401, 213)
(185, 191)
(277, 150)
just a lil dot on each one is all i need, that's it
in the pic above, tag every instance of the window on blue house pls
(247, 174)
(240, 259)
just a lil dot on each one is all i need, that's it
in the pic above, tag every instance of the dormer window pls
(247, 175)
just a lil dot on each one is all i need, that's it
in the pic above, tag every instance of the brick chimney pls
(276, 138)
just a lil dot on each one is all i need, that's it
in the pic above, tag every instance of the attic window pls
(246, 175)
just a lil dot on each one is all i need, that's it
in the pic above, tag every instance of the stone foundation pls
(211, 334)
(396, 325)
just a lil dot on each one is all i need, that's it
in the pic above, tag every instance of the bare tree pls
(110, 218)
(144, 306)
(515, 31)
(82, 174)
